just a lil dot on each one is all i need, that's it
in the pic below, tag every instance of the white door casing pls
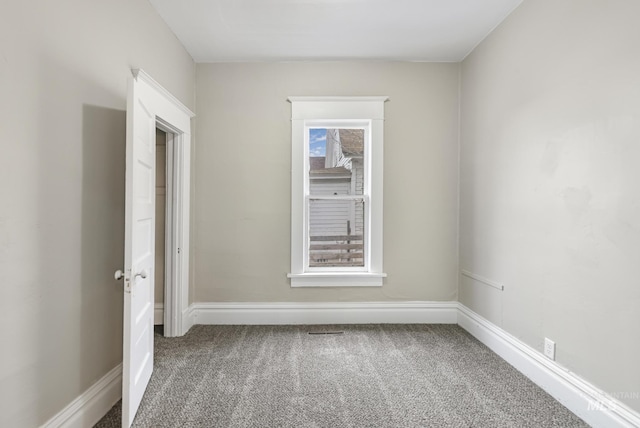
(148, 104)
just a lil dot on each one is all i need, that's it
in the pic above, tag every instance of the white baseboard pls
(158, 314)
(324, 313)
(87, 409)
(588, 402)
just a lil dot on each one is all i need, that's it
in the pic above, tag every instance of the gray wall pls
(63, 80)
(550, 184)
(241, 227)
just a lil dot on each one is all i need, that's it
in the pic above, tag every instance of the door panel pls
(139, 251)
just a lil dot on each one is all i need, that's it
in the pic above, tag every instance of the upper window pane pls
(336, 161)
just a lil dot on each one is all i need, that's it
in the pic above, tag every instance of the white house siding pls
(334, 156)
(330, 186)
(328, 217)
(358, 168)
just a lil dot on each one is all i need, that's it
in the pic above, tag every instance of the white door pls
(149, 104)
(137, 362)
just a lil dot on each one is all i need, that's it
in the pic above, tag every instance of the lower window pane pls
(336, 233)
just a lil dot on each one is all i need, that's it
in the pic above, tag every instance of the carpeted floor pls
(369, 376)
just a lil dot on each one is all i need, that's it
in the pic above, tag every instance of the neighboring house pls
(351, 142)
(328, 218)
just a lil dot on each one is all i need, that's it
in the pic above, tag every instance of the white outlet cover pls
(550, 348)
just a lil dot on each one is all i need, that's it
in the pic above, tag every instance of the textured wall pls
(63, 81)
(241, 228)
(550, 184)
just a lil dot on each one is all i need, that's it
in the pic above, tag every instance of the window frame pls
(337, 112)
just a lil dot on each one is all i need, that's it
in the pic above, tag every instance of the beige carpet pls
(369, 376)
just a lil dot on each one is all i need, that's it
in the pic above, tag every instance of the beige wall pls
(550, 184)
(63, 79)
(241, 228)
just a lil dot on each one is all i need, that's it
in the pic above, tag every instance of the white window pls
(336, 191)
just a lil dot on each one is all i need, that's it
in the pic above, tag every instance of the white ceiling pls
(289, 30)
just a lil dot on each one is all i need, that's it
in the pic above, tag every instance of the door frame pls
(174, 118)
(176, 257)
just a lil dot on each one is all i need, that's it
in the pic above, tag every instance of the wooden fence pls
(332, 251)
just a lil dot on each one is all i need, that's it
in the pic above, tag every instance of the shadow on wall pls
(102, 243)
(79, 203)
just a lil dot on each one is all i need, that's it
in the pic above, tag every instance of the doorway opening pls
(171, 231)
(161, 206)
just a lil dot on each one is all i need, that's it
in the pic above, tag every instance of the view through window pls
(336, 203)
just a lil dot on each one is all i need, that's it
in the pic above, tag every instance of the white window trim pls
(306, 111)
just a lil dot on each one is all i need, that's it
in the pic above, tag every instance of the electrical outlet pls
(550, 348)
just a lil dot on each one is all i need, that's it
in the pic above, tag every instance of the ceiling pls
(299, 30)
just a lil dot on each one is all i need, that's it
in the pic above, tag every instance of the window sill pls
(336, 279)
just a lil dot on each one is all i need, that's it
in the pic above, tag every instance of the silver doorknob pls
(118, 275)
(142, 274)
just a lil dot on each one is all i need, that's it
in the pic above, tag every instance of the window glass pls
(336, 232)
(336, 161)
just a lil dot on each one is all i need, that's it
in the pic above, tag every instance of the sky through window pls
(317, 142)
